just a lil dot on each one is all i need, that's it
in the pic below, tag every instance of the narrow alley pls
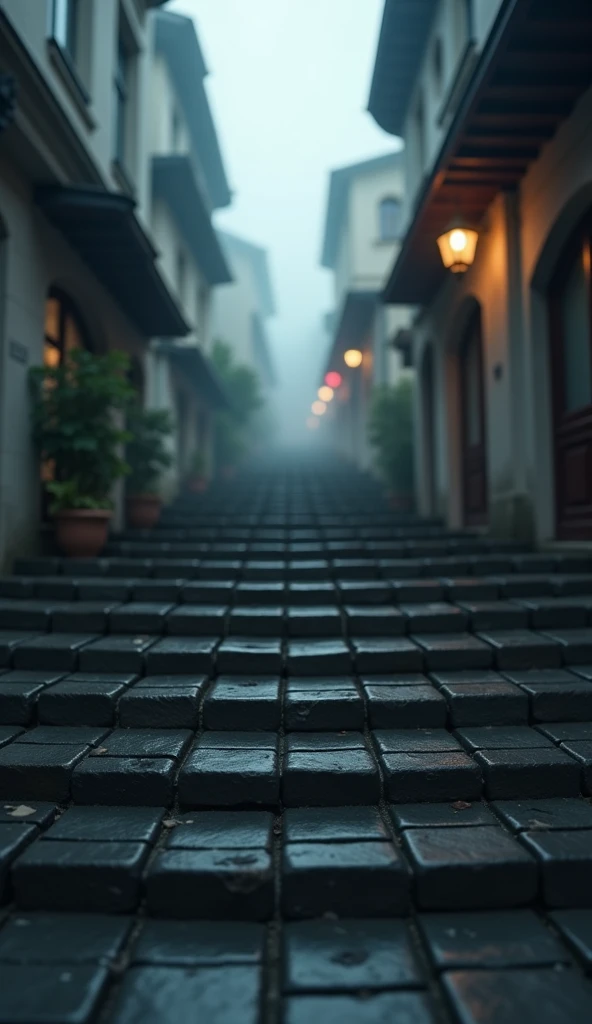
(292, 756)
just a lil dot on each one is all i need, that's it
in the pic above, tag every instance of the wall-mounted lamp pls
(457, 246)
(333, 379)
(325, 393)
(353, 358)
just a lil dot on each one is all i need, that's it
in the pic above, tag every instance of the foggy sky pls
(289, 84)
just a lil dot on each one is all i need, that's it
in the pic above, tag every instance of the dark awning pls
(175, 179)
(199, 372)
(103, 228)
(535, 66)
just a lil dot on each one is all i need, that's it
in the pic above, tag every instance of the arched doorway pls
(570, 329)
(428, 421)
(472, 424)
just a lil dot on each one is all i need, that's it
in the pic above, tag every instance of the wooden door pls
(474, 441)
(570, 309)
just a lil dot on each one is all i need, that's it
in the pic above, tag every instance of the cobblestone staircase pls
(290, 758)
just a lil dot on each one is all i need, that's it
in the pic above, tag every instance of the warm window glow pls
(319, 408)
(457, 248)
(333, 379)
(352, 358)
(325, 393)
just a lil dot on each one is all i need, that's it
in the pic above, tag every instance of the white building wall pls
(233, 308)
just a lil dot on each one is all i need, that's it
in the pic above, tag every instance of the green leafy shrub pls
(233, 428)
(75, 428)
(147, 451)
(390, 432)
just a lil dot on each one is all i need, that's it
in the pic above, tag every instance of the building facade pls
(242, 309)
(494, 101)
(361, 238)
(83, 253)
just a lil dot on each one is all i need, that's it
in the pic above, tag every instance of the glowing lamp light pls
(333, 379)
(313, 422)
(457, 247)
(319, 408)
(353, 358)
(326, 393)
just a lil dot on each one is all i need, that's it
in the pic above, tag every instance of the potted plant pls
(75, 429)
(148, 456)
(197, 479)
(390, 432)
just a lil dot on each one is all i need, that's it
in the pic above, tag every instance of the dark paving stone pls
(221, 830)
(377, 620)
(101, 589)
(566, 862)
(265, 621)
(523, 649)
(107, 824)
(139, 617)
(250, 656)
(157, 994)
(9, 733)
(212, 884)
(145, 743)
(561, 732)
(417, 776)
(451, 651)
(405, 707)
(80, 735)
(546, 814)
(181, 655)
(489, 869)
(575, 927)
(485, 703)
(161, 707)
(510, 938)
(495, 615)
(383, 654)
(243, 703)
(355, 879)
(382, 1008)
(502, 737)
(238, 740)
(530, 773)
(581, 751)
(82, 617)
(161, 590)
(575, 644)
(40, 994)
(309, 594)
(18, 702)
(524, 585)
(557, 612)
(364, 592)
(197, 620)
(325, 741)
(321, 709)
(551, 702)
(14, 838)
(199, 944)
(318, 657)
(209, 592)
(59, 651)
(38, 772)
(133, 781)
(391, 741)
(469, 589)
(10, 640)
(80, 876)
(71, 703)
(63, 939)
(434, 617)
(329, 777)
(32, 813)
(325, 956)
(26, 615)
(526, 996)
(441, 815)
(230, 778)
(414, 591)
(115, 654)
(333, 824)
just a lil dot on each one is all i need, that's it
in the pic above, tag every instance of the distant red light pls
(333, 379)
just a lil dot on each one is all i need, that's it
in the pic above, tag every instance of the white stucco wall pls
(371, 258)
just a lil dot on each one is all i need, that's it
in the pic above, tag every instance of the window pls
(389, 214)
(122, 103)
(469, 19)
(65, 25)
(64, 330)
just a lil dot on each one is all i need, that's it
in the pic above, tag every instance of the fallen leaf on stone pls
(171, 823)
(99, 752)
(461, 805)
(20, 811)
(537, 825)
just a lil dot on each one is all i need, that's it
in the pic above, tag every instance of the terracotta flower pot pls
(82, 532)
(143, 510)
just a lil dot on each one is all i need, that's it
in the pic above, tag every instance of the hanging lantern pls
(457, 247)
(333, 379)
(353, 358)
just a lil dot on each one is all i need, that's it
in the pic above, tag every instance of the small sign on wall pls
(18, 352)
